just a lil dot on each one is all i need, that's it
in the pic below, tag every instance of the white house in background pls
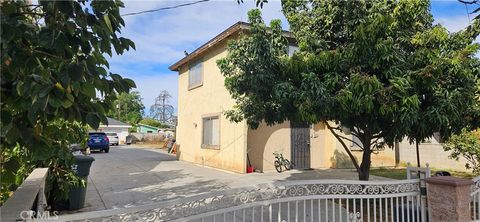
(116, 126)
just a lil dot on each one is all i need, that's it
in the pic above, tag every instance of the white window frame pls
(200, 82)
(353, 146)
(292, 49)
(207, 117)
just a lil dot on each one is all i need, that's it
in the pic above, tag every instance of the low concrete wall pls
(29, 194)
(147, 137)
(431, 153)
(382, 158)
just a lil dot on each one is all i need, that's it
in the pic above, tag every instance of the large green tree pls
(54, 76)
(128, 107)
(360, 67)
(444, 77)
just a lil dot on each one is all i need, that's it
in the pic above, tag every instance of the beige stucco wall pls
(338, 157)
(325, 150)
(383, 158)
(210, 98)
(321, 146)
(235, 138)
(431, 153)
(265, 140)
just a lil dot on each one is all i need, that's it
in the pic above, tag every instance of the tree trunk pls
(397, 153)
(364, 169)
(418, 153)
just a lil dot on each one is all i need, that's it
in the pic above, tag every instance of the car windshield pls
(111, 134)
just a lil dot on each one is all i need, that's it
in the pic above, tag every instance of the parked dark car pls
(98, 141)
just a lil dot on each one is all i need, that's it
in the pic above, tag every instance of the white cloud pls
(453, 23)
(150, 86)
(161, 37)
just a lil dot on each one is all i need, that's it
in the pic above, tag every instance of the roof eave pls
(220, 37)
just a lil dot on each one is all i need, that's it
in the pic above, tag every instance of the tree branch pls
(354, 161)
(355, 131)
(48, 54)
(29, 13)
(376, 136)
(351, 141)
(375, 141)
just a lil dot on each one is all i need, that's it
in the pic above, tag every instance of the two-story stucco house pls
(205, 136)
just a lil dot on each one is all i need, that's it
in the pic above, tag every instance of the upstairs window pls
(292, 49)
(195, 75)
(211, 132)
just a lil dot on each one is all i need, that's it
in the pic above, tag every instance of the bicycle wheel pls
(288, 166)
(278, 166)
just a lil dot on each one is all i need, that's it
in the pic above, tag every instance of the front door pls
(300, 145)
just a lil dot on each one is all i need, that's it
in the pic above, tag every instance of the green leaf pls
(130, 83)
(93, 120)
(107, 22)
(88, 90)
(66, 103)
(50, 73)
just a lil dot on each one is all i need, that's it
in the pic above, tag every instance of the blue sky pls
(161, 37)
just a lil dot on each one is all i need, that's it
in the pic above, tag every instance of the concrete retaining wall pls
(147, 137)
(431, 153)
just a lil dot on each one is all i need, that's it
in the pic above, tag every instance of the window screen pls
(211, 131)
(195, 75)
(292, 49)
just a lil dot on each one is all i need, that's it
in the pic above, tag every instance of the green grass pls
(393, 173)
(401, 173)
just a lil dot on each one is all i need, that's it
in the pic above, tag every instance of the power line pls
(165, 8)
(468, 14)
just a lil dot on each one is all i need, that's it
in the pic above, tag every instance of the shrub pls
(466, 145)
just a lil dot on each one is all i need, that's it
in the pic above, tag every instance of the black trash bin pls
(128, 140)
(82, 169)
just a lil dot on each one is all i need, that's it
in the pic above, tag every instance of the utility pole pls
(118, 110)
(126, 112)
(162, 110)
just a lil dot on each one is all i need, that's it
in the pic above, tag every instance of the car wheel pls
(107, 150)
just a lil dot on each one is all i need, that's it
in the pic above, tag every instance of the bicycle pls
(281, 161)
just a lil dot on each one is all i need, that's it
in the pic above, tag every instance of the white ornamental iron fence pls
(309, 200)
(475, 197)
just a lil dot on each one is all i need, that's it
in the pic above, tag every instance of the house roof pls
(148, 126)
(114, 122)
(234, 29)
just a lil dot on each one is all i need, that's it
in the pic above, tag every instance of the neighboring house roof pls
(158, 128)
(234, 29)
(115, 123)
(148, 126)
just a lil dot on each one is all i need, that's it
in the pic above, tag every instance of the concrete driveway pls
(131, 176)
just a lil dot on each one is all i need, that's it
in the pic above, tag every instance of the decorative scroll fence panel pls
(475, 195)
(312, 200)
